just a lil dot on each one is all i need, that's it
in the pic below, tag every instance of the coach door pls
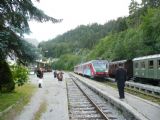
(151, 68)
(158, 68)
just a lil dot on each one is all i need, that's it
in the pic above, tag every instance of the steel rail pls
(97, 108)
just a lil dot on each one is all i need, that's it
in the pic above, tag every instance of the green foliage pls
(150, 3)
(14, 16)
(14, 23)
(20, 74)
(121, 24)
(30, 52)
(66, 62)
(124, 38)
(102, 49)
(133, 7)
(6, 80)
(83, 37)
(133, 42)
(151, 30)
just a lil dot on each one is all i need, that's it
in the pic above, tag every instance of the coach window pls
(115, 66)
(121, 64)
(151, 64)
(158, 64)
(143, 65)
(136, 65)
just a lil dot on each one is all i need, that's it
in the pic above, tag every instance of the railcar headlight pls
(106, 71)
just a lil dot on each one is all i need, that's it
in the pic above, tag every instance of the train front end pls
(101, 68)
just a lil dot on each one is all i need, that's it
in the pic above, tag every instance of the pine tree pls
(14, 16)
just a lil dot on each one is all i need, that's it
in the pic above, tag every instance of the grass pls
(21, 95)
(41, 109)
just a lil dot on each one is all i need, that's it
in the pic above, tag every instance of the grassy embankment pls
(20, 96)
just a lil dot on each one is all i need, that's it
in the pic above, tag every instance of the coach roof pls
(147, 57)
(120, 61)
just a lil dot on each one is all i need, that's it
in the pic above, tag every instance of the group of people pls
(58, 75)
(120, 77)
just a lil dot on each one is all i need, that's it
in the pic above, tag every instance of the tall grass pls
(20, 95)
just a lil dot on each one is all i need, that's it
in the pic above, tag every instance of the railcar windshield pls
(100, 65)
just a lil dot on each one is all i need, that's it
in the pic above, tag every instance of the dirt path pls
(53, 94)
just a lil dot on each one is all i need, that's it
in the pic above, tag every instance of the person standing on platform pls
(40, 76)
(55, 74)
(60, 76)
(121, 77)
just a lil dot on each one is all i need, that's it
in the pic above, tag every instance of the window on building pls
(151, 64)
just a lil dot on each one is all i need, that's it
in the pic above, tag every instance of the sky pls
(75, 13)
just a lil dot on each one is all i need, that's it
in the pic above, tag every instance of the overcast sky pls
(75, 13)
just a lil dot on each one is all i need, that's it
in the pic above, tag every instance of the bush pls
(6, 79)
(20, 74)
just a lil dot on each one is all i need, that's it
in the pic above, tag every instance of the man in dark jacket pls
(121, 76)
(55, 74)
(40, 76)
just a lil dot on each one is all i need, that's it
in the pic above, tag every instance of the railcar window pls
(99, 65)
(151, 64)
(106, 65)
(136, 65)
(143, 64)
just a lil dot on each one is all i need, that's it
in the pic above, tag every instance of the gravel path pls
(53, 93)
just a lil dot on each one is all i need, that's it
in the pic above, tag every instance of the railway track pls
(85, 104)
(134, 90)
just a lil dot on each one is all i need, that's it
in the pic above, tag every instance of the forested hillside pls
(124, 38)
(81, 39)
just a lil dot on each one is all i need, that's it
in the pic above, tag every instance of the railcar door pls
(87, 70)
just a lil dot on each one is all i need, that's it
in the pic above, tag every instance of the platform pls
(53, 94)
(146, 109)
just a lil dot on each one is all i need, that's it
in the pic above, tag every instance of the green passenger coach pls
(147, 67)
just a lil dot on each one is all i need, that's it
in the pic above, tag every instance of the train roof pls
(89, 62)
(147, 57)
(120, 61)
(96, 60)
